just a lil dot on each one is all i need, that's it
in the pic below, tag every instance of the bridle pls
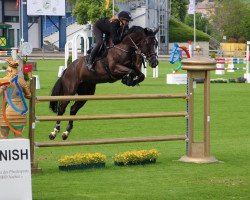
(138, 51)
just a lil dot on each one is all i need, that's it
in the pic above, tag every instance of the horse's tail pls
(56, 91)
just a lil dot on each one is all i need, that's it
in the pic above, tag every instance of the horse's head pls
(145, 43)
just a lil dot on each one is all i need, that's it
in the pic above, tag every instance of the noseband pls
(138, 51)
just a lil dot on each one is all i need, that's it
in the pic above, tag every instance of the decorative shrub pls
(82, 161)
(69, 61)
(219, 80)
(139, 157)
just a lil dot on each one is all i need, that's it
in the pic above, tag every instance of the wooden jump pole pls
(111, 141)
(111, 97)
(112, 116)
(32, 125)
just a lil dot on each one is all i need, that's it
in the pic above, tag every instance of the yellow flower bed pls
(82, 158)
(136, 157)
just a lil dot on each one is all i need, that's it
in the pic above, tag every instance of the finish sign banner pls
(15, 169)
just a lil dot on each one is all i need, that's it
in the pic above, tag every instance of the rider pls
(114, 27)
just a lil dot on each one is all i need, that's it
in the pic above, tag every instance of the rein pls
(136, 51)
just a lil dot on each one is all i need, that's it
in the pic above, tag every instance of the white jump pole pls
(74, 45)
(247, 74)
(155, 70)
(67, 52)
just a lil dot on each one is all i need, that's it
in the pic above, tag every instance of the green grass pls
(167, 179)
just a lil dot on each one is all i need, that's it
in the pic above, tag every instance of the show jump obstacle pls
(197, 152)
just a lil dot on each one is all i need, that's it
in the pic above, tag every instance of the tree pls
(232, 19)
(91, 10)
(179, 9)
(202, 23)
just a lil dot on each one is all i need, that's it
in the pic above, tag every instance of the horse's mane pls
(135, 29)
(139, 29)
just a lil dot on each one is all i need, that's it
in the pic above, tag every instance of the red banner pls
(27, 68)
(17, 4)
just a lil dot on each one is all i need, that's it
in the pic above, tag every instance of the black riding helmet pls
(125, 15)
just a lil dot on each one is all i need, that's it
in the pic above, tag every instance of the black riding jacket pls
(112, 29)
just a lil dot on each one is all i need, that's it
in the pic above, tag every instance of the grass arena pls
(168, 178)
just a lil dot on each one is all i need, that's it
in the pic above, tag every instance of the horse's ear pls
(156, 30)
(148, 31)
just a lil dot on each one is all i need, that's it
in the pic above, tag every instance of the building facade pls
(146, 13)
(10, 14)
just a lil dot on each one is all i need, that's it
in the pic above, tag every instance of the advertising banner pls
(46, 7)
(15, 170)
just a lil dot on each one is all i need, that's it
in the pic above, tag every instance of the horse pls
(121, 62)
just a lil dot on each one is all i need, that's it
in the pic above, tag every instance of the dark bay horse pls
(122, 62)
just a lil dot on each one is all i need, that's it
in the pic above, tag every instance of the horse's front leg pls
(56, 130)
(61, 111)
(133, 78)
(139, 78)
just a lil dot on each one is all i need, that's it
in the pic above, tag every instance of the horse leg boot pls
(139, 79)
(56, 130)
(129, 78)
(66, 133)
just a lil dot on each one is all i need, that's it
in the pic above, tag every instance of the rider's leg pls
(98, 37)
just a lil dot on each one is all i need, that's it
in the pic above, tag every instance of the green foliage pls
(232, 19)
(183, 33)
(202, 23)
(179, 9)
(91, 10)
(69, 61)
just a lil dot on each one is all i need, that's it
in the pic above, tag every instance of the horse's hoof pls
(52, 136)
(65, 135)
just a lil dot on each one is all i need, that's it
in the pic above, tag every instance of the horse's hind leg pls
(82, 90)
(61, 111)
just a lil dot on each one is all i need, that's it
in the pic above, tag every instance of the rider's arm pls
(114, 33)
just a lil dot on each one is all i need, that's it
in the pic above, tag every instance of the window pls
(14, 19)
(11, 38)
(18, 37)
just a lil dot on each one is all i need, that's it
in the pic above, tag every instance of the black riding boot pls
(90, 64)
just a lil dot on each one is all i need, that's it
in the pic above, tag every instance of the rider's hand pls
(116, 40)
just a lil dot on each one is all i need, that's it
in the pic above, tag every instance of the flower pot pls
(81, 166)
(143, 162)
